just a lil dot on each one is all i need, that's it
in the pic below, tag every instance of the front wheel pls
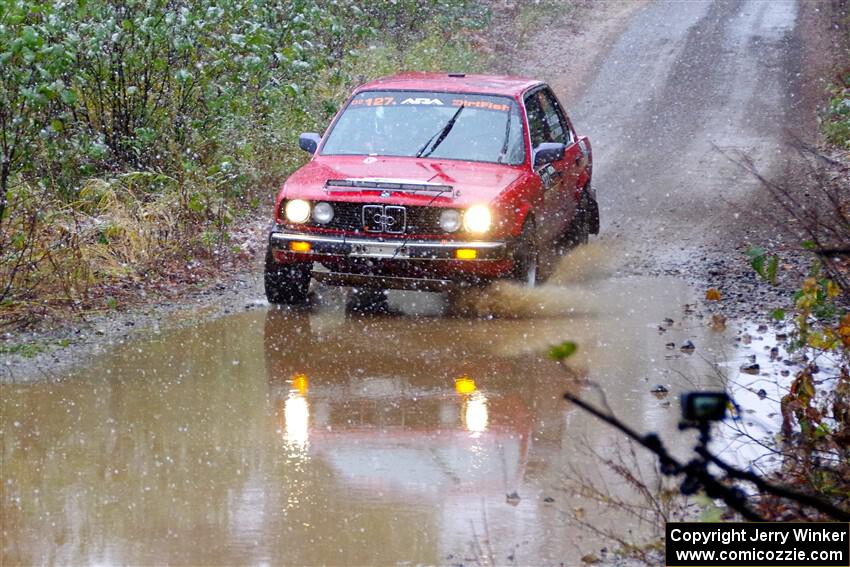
(286, 284)
(527, 257)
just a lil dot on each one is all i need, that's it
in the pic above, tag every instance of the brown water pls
(326, 437)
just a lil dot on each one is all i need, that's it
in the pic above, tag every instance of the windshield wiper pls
(441, 135)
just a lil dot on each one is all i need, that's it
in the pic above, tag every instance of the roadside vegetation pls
(835, 118)
(137, 137)
(814, 440)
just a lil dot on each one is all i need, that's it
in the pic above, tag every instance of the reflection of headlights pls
(323, 213)
(477, 219)
(450, 220)
(297, 211)
(475, 415)
(297, 419)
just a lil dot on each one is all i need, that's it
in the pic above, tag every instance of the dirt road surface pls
(327, 436)
(683, 81)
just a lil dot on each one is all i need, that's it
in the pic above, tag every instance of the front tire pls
(527, 257)
(286, 284)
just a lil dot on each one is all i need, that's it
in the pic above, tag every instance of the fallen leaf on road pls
(718, 322)
(713, 294)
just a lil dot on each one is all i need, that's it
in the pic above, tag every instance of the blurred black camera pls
(703, 407)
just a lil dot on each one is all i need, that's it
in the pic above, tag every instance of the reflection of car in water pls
(382, 419)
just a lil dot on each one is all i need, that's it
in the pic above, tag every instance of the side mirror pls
(547, 152)
(309, 142)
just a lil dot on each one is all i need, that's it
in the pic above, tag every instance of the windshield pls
(437, 125)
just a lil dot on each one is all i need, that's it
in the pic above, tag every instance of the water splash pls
(569, 290)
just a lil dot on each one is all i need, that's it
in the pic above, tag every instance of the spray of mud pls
(569, 289)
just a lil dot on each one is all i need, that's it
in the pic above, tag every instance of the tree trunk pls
(4, 186)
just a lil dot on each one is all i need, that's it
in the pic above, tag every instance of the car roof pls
(452, 82)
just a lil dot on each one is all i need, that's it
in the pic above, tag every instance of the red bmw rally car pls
(433, 181)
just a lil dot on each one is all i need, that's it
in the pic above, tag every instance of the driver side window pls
(546, 120)
(559, 129)
(536, 121)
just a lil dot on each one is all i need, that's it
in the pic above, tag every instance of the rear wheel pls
(592, 216)
(527, 257)
(286, 284)
(580, 229)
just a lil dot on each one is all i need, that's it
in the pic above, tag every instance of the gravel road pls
(684, 82)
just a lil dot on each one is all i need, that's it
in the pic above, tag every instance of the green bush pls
(102, 86)
(209, 95)
(836, 116)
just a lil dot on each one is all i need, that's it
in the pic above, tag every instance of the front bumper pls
(398, 263)
(321, 245)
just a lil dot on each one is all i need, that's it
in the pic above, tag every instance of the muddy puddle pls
(325, 436)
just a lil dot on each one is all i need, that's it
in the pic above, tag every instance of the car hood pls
(470, 182)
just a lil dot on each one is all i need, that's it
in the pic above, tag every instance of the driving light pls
(323, 213)
(450, 220)
(297, 211)
(477, 219)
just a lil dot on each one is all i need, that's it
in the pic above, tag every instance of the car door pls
(570, 166)
(545, 126)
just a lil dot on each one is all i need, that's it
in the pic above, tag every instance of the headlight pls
(297, 211)
(477, 218)
(323, 213)
(450, 220)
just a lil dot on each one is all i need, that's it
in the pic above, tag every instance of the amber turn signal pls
(297, 246)
(466, 254)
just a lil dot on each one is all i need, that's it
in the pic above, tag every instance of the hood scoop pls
(396, 185)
